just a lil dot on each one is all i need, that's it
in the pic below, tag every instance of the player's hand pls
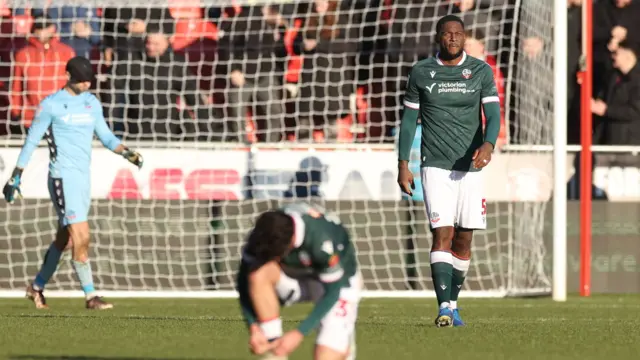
(11, 190)
(405, 178)
(482, 156)
(288, 343)
(258, 343)
(133, 157)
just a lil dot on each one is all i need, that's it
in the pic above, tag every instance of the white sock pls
(454, 304)
(445, 305)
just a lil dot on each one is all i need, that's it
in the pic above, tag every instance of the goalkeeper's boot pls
(445, 318)
(96, 303)
(37, 297)
(457, 320)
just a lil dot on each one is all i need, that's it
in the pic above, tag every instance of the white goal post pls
(174, 229)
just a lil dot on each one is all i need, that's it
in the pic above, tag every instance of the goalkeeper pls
(448, 92)
(69, 119)
(301, 239)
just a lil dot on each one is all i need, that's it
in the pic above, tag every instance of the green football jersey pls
(322, 244)
(449, 100)
(322, 248)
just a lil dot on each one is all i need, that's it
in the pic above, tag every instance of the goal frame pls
(559, 207)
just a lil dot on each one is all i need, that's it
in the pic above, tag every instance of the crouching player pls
(300, 238)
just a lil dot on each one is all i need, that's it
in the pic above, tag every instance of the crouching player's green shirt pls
(322, 247)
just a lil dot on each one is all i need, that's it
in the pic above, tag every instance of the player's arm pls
(408, 125)
(409, 120)
(39, 127)
(331, 275)
(491, 106)
(111, 142)
(242, 286)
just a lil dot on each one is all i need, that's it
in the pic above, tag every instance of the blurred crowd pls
(321, 70)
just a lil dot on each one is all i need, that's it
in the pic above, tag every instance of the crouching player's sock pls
(460, 269)
(83, 271)
(49, 266)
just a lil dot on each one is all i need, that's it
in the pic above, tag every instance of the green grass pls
(601, 327)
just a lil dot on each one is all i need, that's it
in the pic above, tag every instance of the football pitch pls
(600, 327)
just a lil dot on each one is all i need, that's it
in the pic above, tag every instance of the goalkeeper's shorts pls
(71, 199)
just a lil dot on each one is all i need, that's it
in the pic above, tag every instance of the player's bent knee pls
(443, 237)
(79, 233)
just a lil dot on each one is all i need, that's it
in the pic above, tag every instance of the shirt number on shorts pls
(484, 206)
(342, 308)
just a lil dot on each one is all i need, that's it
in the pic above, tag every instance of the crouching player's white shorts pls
(454, 198)
(337, 329)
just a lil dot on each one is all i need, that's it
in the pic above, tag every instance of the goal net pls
(238, 107)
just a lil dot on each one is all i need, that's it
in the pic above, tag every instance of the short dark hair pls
(630, 45)
(271, 236)
(41, 21)
(445, 19)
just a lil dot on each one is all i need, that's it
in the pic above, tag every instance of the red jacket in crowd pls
(38, 71)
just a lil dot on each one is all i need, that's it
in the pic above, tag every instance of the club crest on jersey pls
(304, 258)
(327, 247)
(466, 73)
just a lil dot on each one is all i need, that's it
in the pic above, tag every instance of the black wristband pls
(16, 172)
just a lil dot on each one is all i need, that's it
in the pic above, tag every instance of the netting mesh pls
(202, 88)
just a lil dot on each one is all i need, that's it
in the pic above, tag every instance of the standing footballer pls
(446, 92)
(69, 119)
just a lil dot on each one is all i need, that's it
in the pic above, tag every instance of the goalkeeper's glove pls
(133, 157)
(11, 190)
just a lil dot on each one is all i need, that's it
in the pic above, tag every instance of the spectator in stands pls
(39, 69)
(328, 76)
(78, 26)
(154, 83)
(251, 50)
(475, 46)
(619, 105)
(125, 29)
(574, 52)
(613, 22)
(485, 15)
(411, 26)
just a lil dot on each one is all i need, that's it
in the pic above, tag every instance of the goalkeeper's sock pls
(83, 270)
(441, 273)
(460, 268)
(272, 329)
(49, 266)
